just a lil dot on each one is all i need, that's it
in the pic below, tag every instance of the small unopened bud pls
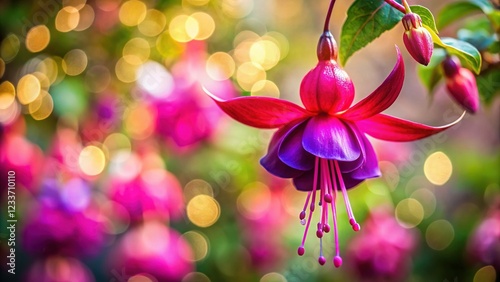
(461, 84)
(327, 47)
(417, 39)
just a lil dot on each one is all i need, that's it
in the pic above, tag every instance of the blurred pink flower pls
(152, 250)
(382, 252)
(186, 115)
(54, 231)
(21, 156)
(59, 269)
(484, 245)
(154, 193)
(265, 244)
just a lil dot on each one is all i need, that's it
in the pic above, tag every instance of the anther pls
(322, 260)
(301, 251)
(337, 261)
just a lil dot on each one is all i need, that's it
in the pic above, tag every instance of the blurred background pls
(126, 171)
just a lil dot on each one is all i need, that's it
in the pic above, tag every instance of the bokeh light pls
(136, 51)
(28, 89)
(220, 66)
(92, 160)
(439, 234)
(409, 213)
(74, 62)
(206, 25)
(7, 94)
(273, 277)
(255, 201)
(265, 88)
(86, 18)
(9, 47)
(438, 168)
(153, 23)
(198, 243)
(38, 38)
(248, 74)
(42, 106)
(485, 274)
(203, 210)
(132, 12)
(67, 19)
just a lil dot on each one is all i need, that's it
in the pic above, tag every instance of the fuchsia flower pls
(417, 39)
(152, 250)
(186, 115)
(461, 84)
(324, 146)
(59, 269)
(484, 244)
(382, 252)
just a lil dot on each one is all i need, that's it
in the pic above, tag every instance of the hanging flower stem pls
(397, 6)
(328, 15)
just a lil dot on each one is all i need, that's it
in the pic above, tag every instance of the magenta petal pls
(390, 128)
(370, 168)
(329, 138)
(291, 151)
(349, 166)
(261, 112)
(383, 97)
(305, 181)
(272, 163)
(326, 88)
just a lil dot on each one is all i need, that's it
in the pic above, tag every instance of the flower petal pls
(260, 112)
(326, 88)
(272, 163)
(383, 97)
(390, 128)
(305, 181)
(370, 168)
(291, 151)
(329, 138)
(349, 166)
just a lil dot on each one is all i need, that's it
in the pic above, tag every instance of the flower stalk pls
(397, 6)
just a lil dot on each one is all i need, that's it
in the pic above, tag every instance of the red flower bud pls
(417, 39)
(461, 84)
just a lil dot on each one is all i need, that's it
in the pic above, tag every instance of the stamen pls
(337, 260)
(301, 250)
(302, 214)
(321, 259)
(352, 220)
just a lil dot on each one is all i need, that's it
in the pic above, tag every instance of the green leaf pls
(478, 38)
(494, 48)
(455, 11)
(366, 21)
(458, 10)
(468, 54)
(426, 15)
(431, 74)
(488, 85)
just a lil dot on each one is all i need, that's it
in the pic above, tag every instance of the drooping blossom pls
(19, 156)
(154, 193)
(484, 245)
(324, 147)
(382, 252)
(417, 39)
(59, 269)
(261, 205)
(50, 230)
(152, 250)
(186, 116)
(461, 84)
